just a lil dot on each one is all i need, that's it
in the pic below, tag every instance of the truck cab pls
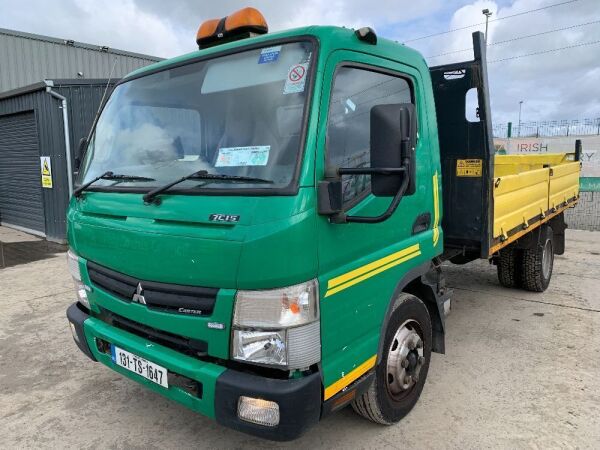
(257, 230)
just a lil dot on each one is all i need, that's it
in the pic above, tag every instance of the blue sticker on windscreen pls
(269, 54)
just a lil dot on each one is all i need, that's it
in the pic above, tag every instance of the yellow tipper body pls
(530, 189)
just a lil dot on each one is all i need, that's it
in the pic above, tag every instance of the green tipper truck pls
(258, 227)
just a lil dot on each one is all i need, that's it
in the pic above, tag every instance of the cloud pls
(282, 15)
(554, 85)
(117, 24)
(168, 28)
(559, 85)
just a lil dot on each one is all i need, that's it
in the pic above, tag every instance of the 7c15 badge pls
(231, 218)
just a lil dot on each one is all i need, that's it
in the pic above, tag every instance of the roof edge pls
(77, 44)
(57, 83)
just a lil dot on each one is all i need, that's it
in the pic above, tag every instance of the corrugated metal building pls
(32, 127)
(46, 87)
(27, 58)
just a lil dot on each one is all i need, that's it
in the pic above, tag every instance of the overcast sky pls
(553, 86)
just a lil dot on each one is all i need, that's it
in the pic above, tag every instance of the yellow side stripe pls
(436, 209)
(371, 274)
(355, 374)
(368, 267)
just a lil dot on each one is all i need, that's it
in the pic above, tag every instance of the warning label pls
(46, 167)
(469, 167)
(296, 79)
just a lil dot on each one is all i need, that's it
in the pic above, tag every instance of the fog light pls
(74, 332)
(258, 411)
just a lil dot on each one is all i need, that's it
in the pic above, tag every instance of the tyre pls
(402, 370)
(537, 263)
(509, 267)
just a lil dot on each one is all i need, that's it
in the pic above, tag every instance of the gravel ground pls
(521, 369)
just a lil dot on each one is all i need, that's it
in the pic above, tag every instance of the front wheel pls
(402, 370)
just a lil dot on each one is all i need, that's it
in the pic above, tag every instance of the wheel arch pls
(426, 282)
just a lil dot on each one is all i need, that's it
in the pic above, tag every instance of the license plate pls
(139, 365)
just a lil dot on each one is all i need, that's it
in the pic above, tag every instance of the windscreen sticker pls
(269, 54)
(243, 156)
(296, 79)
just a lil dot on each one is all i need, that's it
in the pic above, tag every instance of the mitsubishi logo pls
(138, 297)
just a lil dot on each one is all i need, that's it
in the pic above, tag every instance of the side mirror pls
(80, 151)
(82, 146)
(393, 141)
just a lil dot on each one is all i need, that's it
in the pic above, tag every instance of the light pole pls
(487, 13)
(520, 106)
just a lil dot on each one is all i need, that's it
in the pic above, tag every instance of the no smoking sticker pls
(296, 79)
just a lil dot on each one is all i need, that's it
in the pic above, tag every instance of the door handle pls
(421, 223)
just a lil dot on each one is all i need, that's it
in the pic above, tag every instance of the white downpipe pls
(65, 114)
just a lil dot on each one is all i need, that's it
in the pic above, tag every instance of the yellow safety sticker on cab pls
(469, 167)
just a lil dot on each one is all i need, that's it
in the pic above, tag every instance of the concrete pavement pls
(521, 370)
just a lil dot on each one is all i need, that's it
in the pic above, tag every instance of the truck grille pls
(173, 298)
(192, 347)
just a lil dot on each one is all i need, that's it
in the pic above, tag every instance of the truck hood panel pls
(177, 243)
(159, 257)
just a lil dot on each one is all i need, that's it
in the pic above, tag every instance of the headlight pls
(80, 288)
(278, 327)
(277, 308)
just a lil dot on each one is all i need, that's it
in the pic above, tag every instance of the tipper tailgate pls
(564, 183)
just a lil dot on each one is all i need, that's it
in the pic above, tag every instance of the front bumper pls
(299, 399)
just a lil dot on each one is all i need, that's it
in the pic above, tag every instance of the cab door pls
(360, 264)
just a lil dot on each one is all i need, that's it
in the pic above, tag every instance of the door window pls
(355, 92)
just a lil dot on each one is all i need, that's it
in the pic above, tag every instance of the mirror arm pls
(334, 175)
(393, 205)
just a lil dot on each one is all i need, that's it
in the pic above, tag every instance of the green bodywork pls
(279, 240)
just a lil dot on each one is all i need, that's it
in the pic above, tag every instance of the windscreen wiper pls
(109, 176)
(202, 175)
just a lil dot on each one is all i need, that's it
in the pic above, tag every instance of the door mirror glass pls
(393, 139)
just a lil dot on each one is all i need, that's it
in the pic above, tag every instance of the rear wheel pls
(401, 373)
(538, 263)
(508, 265)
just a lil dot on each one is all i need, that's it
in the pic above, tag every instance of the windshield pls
(239, 115)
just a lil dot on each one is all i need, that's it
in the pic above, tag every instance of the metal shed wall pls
(21, 203)
(83, 101)
(28, 58)
(51, 143)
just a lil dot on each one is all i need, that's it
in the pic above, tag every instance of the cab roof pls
(330, 38)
